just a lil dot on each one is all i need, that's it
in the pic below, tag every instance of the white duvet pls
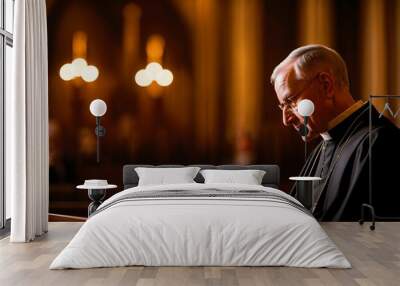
(200, 231)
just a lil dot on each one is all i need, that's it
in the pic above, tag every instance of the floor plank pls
(375, 257)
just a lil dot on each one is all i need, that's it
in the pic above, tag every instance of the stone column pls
(130, 41)
(315, 22)
(207, 81)
(246, 81)
(373, 54)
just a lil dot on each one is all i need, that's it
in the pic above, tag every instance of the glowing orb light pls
(67, 72)
(90, 73)
(164, 78)
(143, 78)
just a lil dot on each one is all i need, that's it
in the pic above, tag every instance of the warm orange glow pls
(79, 66)
(155, 48)
(79, 44)
(154, 89)
(130, 39)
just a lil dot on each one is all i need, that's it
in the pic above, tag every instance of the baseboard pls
(60, 217)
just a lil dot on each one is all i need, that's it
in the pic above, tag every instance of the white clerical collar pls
(326, 136)
(345, 114)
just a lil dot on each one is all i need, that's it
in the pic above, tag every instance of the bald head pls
(308, 60)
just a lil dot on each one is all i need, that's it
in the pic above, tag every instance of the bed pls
(198, 224)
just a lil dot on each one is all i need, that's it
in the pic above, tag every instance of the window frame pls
(6, 39)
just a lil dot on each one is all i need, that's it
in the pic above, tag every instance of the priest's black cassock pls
(342, 161)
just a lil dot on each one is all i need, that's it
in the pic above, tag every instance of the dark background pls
(220, 107)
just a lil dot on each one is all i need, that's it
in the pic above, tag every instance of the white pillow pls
(164, 176)
(248, 177)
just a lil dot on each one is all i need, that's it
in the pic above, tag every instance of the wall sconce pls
(305, 108)
(154, 72)
(98, 108)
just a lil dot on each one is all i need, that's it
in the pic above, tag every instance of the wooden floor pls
(375, 257)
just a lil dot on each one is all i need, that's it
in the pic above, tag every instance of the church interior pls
(220, 107)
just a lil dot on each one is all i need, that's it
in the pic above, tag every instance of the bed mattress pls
(201, 225)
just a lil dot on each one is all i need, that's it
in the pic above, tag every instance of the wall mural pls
(187, 82)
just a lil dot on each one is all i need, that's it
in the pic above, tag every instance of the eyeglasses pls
(291, 101)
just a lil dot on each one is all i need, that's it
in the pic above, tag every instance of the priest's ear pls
(327, 81)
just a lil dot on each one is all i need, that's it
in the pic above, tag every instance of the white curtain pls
(27, 124)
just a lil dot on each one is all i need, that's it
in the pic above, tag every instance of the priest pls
(342, 158)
